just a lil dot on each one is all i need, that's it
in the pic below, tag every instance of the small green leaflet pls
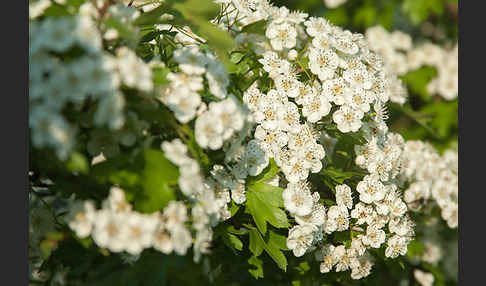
(157, 175)
(274, 246)
(258, 272)
(264, 203)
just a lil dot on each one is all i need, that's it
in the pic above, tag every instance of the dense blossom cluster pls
(401, 55)
(118, 228)
(344, 80)
(431, 176)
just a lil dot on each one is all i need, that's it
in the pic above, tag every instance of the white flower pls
(184, 103)
(292, 55)
(343, 258)
(450, 214)
(363, 213)
(181, 239)
(370, 189)
(364, 153)
(255, 158)
(134, 72)
(343, 42)
(313, 154)
(297, 199)
(190, 180)
(267, 112)
(348, 119)
(300, 238)
(315, 107)
(229, 114)
(288, 84)
(337, 219)
(357, 246)
(81, 218)
(162, 241)
(374, 237)
(108, 230)
(359, 99)
(193, 82)
(238, 192)
(252, 97)
(116, 201)
(360, 268)
(218, 79)
(57, 33)
(271, 141)
(336, 90)
(191, 60)
(334, 3)
(380, 165)
(138, 232)
(281, 36)
(323, 63)
(209, 131)
(274, 65)
(296, 169)
(432, 253)
(358, 78)
(328, 260)
(401, 225)
(175, 151)
(424, 278)
(301, 140)
(316, 26)
(317, 216)
(343, 196)
(175, 213)
(289, 117)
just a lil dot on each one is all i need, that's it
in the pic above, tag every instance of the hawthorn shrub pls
(224, 142)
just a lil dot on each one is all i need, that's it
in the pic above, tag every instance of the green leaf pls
(78, 163)
(198, 13)
(263, 202)
(257, 27)
(258, 272)
(160, 75)
(272, 247)
(159, 173)
(56, 10)
(303, 267)
(268, 173)
(337, 16)
(256, 242)
(232, 241)
(122, 170)
(419, 10)
(153, 16)
(444, 116)
(415, 248)
(417, 80)
(365, 16)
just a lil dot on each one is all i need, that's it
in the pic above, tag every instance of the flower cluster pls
(91, 73)
(343, 82)
(118, 228)
(401, 55)
(215, 122)
(431, 176)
